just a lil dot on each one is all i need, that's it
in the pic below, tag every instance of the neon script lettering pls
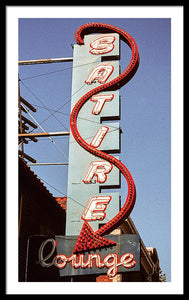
(110, 261)
(102, 45)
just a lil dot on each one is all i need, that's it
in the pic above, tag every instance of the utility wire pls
(64, 103)
(44, 131)
(85, 119)
(44, 106)
(55, 111)
(66, 114)
(56, 71)
(62, 193)
(52, 114)
(58, 110)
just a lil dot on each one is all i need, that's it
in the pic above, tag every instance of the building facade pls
(39, 213)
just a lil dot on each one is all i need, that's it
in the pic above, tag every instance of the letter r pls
(98, 168)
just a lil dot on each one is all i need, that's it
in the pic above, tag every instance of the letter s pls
(102, 45)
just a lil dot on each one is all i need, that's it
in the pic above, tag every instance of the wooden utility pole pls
(20, 116)
(22, 126)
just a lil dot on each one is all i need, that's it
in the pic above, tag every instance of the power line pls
(55, 111)
(66, 114)
(45, 131)
(29, 89)
(62, 193)
(52, 114)
(58, 111)
(85, 119)
(56, 71)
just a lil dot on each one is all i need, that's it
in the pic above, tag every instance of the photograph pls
(94, 186)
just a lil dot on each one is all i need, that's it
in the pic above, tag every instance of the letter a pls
(101, 72)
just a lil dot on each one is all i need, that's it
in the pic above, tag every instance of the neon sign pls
(110, 261)
(88, 173)
(55, 254)
(103, 77)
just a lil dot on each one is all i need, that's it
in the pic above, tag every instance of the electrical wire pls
(47, 73)
(62, 193)
(54, 111)
(44, 106)
(58, 110)
(66, 114)
(56, 71)
(52, 114)
(44, 131)
(87, 138)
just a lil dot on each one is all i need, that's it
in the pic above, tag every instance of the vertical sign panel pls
(94, 63)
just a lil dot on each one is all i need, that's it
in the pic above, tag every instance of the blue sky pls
(145, 114)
